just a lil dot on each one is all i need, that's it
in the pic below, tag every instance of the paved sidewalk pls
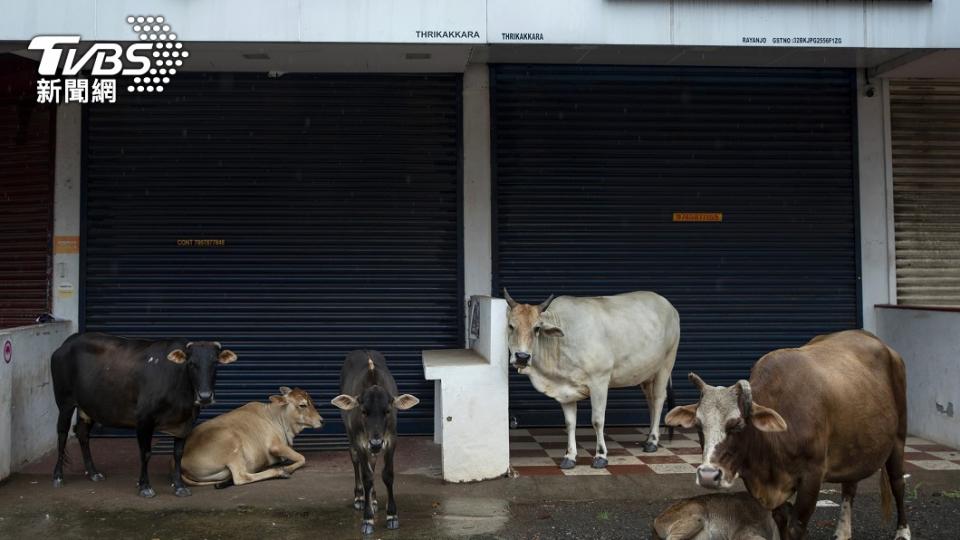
(538, 452)
(316, 503)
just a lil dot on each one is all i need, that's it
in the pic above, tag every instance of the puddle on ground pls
(463, 516)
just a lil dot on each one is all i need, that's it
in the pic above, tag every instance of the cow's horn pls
(189, 344)
(217, 343)
(696, 380)
(546, 303)
(745, 397)
(370, 365)
(510, 301)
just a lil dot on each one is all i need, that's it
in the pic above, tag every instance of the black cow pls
(133, 383)
(368, 403)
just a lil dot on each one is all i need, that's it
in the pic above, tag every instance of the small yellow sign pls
(66, 244)
(202, 243)
(698, 216)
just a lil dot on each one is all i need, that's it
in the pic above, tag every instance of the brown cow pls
(833, 410)
(716, 516)
(243, 445)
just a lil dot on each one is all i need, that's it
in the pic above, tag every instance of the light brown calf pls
(243, 445)
(720, 516)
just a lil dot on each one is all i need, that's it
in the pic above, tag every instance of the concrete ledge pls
(28, 412)
(927, 341)
(471, 399)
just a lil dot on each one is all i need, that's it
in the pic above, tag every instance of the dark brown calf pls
(833, 410)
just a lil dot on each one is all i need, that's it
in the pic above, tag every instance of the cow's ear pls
(682, 416)
(279, 400)
(405, 401)
(226, 356)
(177, 356)
(767, 419)
(344, 402)
(284, 390)
(551, 330)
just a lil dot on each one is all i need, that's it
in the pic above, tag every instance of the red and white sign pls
(7, 351)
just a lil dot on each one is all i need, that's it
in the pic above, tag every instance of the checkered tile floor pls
(538, 451)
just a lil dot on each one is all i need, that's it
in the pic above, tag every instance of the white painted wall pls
(927, 341)
(66, 214)
(876, 254)
(856, 23)
(477, 242)
(471, 402)
(28, 412)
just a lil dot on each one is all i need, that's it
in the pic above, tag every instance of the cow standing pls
(572, 348)
(133, 383)
(245, 444)
(369, 402)
(833, 410)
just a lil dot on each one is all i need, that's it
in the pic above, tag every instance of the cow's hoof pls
(568, 463)
(599, 463)
(96, 477)
(58, 482)
(649, 447)
(366, 527)
(147, 492)
(182, 491)
(358, 504)
(283, 474)
(393, 522)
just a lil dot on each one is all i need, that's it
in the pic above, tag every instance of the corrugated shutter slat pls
(592, 161)
(925, 137)
(337, 199)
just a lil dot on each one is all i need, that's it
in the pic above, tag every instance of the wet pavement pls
(316, 503)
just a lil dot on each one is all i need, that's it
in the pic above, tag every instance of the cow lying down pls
(719, 516)
(245, 444)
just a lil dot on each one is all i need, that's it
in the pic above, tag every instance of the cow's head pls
(378, 413)
(201, 359)
(723, 417)
(298, 409)
(526, 326)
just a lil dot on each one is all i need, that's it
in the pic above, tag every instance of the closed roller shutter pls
(925, 135)
(26, 194)
(592, 162)
(330, 207)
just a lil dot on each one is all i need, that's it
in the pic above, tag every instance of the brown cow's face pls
(525, 326)
(721, 416)
(298, 409)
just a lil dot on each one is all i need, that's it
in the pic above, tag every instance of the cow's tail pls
(671, 403)
(886, 494)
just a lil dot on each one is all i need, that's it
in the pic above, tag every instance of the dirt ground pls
(316, 503)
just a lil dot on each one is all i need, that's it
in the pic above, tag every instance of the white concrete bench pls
(471, 398)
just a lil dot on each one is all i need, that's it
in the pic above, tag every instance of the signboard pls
(66, 244)
(697, 216)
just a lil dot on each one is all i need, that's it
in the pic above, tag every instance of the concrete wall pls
(844, 23)
(927, 341)
(477, 243)
(28, 413)
(876, 225)
(66, 216)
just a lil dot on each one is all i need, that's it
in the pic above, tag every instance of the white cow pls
(584, 346)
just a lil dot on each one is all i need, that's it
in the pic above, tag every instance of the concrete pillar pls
(877, 264)
(477, 244)
(66, 216)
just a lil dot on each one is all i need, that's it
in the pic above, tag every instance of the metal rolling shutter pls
(336, 199)
(26, 195)
(591, 163)
(925, 135)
